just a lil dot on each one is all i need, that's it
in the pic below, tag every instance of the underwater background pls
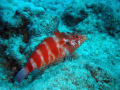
(95, 64)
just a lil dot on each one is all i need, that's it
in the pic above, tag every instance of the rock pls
(74, 15)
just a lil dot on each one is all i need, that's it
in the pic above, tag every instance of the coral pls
(103, 78)
(93, 16)
(43, 26)
(109, 17)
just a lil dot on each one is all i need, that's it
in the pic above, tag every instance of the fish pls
(51, 50)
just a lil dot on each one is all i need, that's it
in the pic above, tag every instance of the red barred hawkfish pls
(51, 50)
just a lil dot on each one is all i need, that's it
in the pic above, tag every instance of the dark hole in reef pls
(72, 17)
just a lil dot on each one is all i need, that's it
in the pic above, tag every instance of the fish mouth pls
(85, 37)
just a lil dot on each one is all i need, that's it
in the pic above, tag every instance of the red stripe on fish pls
(51, 50)
(43, 53)
(50, 54)
(42, 63)
(36, 58)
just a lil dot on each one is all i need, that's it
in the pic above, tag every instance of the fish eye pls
(76, 36)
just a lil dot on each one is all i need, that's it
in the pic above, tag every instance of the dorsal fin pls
(57, 32)
(60, 35)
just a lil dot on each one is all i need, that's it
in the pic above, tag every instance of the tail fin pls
(21, 74)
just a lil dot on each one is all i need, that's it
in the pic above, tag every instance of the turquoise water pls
(95, 65)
